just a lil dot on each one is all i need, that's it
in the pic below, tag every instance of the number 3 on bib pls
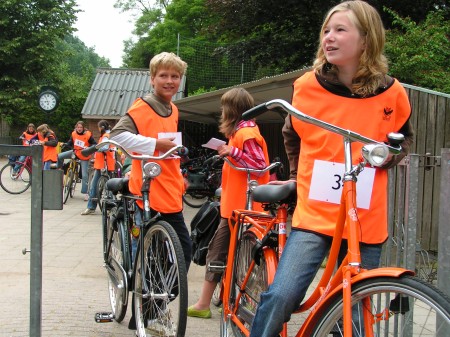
(326, 183)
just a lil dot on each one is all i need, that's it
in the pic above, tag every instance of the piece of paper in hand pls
(213, 143)
(177, 140)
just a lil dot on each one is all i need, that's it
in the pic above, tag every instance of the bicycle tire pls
(73, 183)
(216, 300)
(163, 311)
(427, 314)
(101, 191)
(67, 184)
(194, 201)
(257, 283)
(117, 277)
(18, 184)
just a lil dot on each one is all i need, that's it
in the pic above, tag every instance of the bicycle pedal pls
(216, 267)
(104, 317)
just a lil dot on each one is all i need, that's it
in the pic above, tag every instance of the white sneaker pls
(88, 211)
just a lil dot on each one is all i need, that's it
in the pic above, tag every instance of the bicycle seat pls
(117, 185)
(274, 193)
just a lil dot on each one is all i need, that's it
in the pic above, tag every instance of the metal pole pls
(36, 243)
(444, 225)
(412, 193)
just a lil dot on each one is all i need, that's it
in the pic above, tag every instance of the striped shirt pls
(252, 155)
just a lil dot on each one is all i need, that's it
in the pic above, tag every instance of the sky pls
(104, 28)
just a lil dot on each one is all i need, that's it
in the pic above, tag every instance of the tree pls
(419, 53)
(29, 31)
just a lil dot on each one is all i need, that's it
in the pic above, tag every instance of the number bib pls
(326, 183)
(79, 143)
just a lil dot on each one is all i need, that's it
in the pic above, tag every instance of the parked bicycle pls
(394, 302)
(158, 277)
(203, 179)
(71, 177)
(16, 182)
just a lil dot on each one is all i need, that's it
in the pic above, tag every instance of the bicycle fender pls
(368, 274)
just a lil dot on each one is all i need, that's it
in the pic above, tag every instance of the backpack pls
(203, 226)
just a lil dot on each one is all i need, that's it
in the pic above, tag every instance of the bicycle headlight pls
(375, 154)
(253, 184)
(152, 170)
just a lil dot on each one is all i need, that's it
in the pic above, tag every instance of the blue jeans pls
(299, 263)
(84, 169)
(17, 166)
(176, 220)
(92, 204)
(47, 165)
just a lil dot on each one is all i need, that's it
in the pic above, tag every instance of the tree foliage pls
(419, 53)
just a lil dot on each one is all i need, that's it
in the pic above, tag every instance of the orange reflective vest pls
(234, 183)
(50, 152)
(99, 162)
(373, 117)
(167, 189)
(27, 137)
(81, 142)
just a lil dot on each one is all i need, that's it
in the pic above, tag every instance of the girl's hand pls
(224, 150)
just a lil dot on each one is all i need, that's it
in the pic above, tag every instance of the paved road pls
(74, 280)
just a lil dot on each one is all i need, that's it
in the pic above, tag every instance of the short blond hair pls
(167, 60)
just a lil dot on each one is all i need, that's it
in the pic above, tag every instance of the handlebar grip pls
(88, 151)
(184, 151)
(254, 112)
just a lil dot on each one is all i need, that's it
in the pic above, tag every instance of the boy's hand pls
(165, 144)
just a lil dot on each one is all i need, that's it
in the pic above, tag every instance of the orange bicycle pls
(391, 301)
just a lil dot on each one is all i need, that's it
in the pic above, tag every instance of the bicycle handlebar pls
(141, 156)
(283, 106)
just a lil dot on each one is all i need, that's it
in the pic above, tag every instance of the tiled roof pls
(114, 90)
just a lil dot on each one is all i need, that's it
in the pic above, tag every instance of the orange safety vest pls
(50, 152)
(167, 189)
(234, 183)
(81, 142)
(373, 117)
(28, 137)
(99, 162)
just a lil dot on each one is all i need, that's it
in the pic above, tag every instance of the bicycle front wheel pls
(73, 183)
(68, 179)
(403, 307)
(258, 281)
(101, 191)
(194, 200)
(15, 183)
(160, 284)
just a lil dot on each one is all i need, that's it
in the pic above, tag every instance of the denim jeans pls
(299, 263)
(176, 220)
(17, 166)
(92, 202)
(47, 165)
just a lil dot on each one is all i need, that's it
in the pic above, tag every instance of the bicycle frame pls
(348, 273)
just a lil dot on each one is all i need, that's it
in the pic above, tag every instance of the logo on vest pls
(387, 113)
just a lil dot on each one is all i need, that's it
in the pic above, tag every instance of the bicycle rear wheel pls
(160, 288)
(68, 179)
(115, 250)
(15, 184)
(403, 307)
(73, 182)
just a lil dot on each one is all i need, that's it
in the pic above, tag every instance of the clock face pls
(48, 100)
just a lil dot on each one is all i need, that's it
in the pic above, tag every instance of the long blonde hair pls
(373, 65)
(234, 103)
